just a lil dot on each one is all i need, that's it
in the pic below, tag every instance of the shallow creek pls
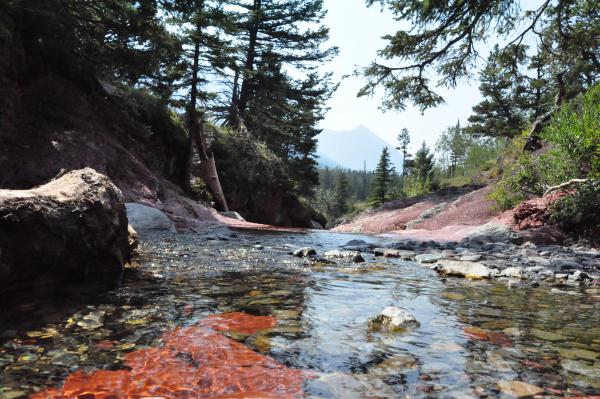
(476, 338)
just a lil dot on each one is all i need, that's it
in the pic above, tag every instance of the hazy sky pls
(357, 31)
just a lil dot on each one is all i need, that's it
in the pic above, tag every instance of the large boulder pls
(74, 226)
(143, 217)
(494, 232)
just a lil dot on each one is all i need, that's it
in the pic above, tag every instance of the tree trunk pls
(250, 57)
(208, 168)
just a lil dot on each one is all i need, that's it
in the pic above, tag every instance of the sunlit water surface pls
(473, 335)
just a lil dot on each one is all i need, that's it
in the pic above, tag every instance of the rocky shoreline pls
(523, 265)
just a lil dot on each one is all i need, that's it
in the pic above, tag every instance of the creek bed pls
(475, 339)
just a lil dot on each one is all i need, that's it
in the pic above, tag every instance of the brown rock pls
(74, 226)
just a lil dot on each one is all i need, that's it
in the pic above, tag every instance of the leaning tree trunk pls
(208, 168)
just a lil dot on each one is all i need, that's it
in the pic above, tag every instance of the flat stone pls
(578, 354)
(394, 253)
(398, 362)
(574, 366)
(547, 335)
(563, 264)
(428, 258)
(471, 258)
(519, 389)
(471, 270)
(539, 260)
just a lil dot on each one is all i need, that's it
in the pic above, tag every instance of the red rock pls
(476, 333)
(104, 345)
(239, 322)
(193, 362)
(499, 339)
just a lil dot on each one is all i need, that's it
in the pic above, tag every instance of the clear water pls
(473, 335)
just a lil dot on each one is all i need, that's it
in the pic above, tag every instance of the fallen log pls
(73, 227)
(565, 185)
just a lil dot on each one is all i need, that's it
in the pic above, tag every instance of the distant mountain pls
(325, 161)
(350, 149)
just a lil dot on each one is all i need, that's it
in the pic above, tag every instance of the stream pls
(475, 339)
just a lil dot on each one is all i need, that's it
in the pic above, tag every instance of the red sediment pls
(193, 362)
(239, 322)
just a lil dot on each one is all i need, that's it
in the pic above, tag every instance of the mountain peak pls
(352, 148)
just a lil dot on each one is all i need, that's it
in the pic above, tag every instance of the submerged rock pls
(577, 367)
(462, 269)
(519, 389)
(393, 319)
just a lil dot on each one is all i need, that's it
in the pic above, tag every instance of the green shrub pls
(580, 212)
(573, 151)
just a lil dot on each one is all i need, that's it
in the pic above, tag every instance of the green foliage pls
(574, 136)
(573, 141)
(341, 195)
(384, 175)
(443, 38)
(507, 104)
(423, 168)
(579, 212)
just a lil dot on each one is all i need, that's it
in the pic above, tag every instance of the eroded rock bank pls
(73, 227)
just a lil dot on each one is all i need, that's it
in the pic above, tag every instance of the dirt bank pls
(452, 214)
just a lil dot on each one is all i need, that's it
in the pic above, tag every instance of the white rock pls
(336, 253)
(143, 217)
(393, 318)
(463, 269)
(514, 272)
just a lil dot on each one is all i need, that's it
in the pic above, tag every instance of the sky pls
(357, 30)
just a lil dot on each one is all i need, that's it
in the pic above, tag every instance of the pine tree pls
(207, 52)
(279, 29)
(453, 143)
(341, 195)
(423, 167)
(505, 108)
(404, 141)
(444, 37)
(383, 177)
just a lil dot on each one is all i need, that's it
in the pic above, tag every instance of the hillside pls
(352, 148)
